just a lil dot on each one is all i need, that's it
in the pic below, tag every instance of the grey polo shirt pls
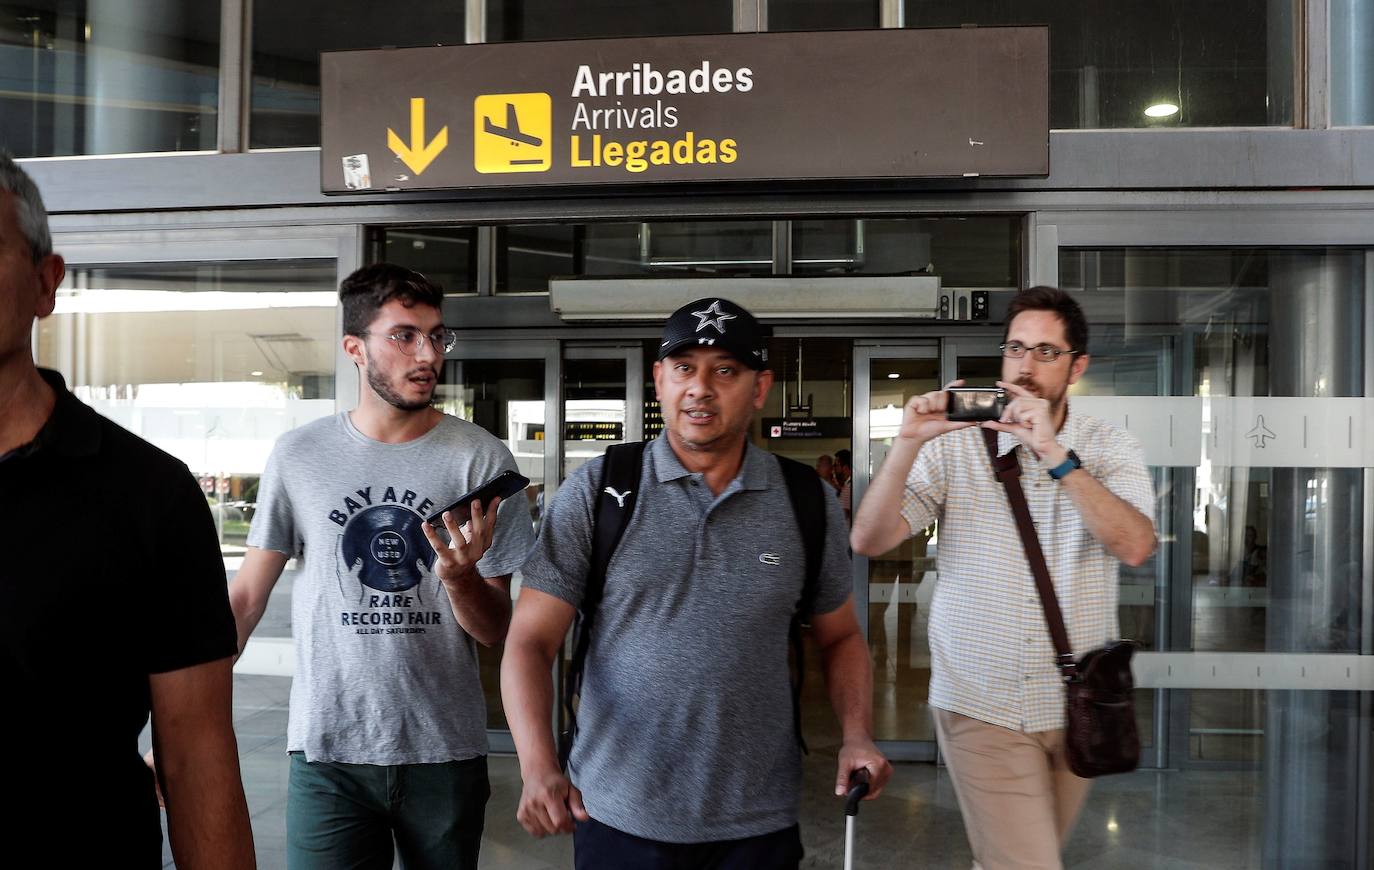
(685, 725)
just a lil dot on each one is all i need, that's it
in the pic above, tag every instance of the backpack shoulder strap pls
(809, 508)
(611, 513)
(615, 504)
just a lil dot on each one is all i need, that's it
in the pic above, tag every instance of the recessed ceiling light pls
(893, 375)
(1161, 110)
(256, 374)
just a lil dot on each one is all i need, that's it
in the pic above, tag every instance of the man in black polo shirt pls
(114, 606)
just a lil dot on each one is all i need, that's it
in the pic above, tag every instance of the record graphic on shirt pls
(384, 543)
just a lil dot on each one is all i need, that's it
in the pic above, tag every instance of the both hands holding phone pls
(1007, 407)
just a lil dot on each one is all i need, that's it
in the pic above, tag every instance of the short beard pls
(388, 395)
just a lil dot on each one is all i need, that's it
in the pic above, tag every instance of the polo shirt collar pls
(73, 429)
(1007, 442)
(753, 474)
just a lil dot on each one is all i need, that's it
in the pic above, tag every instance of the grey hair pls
(28, 206)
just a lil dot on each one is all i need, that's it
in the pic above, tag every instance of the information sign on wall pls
(795, 106)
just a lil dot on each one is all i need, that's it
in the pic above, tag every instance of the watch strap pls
(1069, 464)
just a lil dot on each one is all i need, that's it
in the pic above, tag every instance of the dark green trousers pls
(347, 816)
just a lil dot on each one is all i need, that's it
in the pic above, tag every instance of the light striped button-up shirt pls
(991, 654)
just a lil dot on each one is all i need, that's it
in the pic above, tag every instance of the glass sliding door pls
(893, 591)
(1244, 373)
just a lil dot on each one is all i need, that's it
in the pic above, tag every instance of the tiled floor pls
(1142, 821)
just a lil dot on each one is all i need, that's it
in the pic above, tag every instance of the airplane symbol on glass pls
(512, 132)
(1261, 433)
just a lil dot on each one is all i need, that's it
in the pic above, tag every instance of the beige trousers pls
(1018, 798)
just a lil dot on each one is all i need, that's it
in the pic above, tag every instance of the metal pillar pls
(1311, 738)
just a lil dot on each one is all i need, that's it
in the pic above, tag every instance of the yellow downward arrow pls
(417, 155)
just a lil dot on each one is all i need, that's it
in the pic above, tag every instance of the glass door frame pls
(865, 353)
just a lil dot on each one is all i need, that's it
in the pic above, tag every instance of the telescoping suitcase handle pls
(858, 788)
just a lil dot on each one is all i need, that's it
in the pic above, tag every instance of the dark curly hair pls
(363, 293)
(1055, 300)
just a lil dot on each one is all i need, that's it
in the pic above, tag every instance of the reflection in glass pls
(511, 20)
(112, 77)
(506, 398)
(1218, 64)
(287, 41)
(211, 362)
(963, 252)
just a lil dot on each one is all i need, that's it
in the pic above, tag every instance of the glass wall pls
(110, 77)
(447, 255)
(211, 362)
(287, 41)
(509, 20)
(528, 256)
(1150, 63)
(1242, 372)
(963, 252)
(822, 14)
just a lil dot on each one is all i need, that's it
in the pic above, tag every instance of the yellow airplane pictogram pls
(417, 155)
(512, 133)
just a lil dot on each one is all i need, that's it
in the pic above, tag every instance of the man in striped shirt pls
(996, 695)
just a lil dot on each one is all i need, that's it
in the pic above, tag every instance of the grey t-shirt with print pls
(685, 727)
(384, 673)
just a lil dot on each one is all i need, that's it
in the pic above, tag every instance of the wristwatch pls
(1060, 471)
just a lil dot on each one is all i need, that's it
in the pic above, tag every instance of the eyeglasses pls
(409, 341)
(1045, 353)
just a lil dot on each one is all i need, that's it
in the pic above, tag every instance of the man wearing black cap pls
(685, 753)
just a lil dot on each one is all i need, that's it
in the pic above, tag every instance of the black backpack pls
(620, 472)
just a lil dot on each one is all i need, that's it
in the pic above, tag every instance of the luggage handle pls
(858, 789)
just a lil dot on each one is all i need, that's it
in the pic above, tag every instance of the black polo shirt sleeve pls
(190, 622)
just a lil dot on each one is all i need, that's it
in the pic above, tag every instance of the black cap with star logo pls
(716, 323)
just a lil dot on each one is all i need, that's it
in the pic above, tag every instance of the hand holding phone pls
(503, 486)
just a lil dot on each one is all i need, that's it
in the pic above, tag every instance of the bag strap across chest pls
(1008, 471)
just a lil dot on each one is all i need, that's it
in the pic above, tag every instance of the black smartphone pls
(975, 404)
(503, 486)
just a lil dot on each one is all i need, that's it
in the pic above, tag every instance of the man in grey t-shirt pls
(685, 754)
(387, 725)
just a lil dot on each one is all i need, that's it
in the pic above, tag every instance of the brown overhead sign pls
(735, 107)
